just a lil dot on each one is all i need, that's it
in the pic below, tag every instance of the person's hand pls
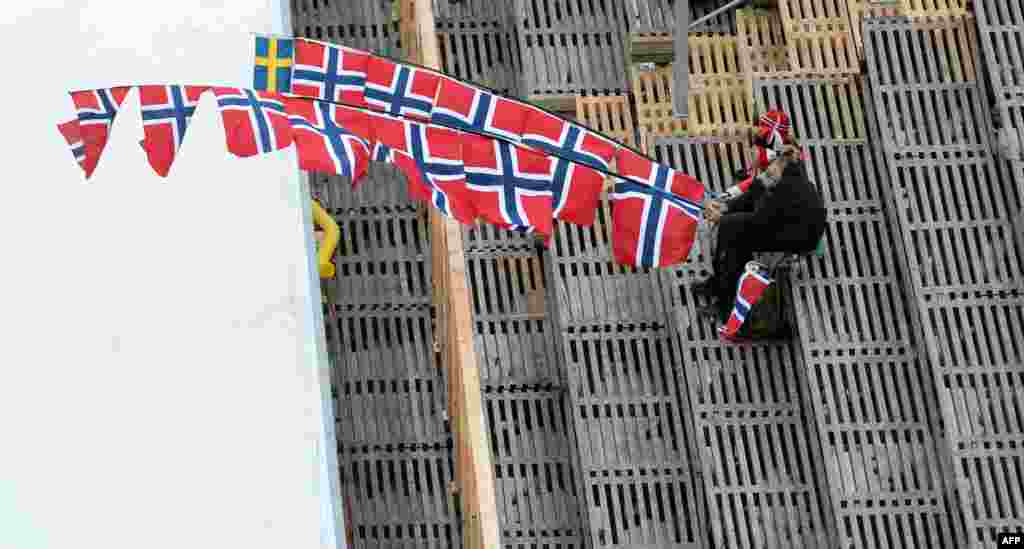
(713, 212)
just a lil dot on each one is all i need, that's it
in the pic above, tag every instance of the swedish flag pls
(273, 70)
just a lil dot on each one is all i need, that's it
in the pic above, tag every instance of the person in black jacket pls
(782, 211)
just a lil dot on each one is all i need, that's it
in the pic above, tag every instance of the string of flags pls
(471, 153)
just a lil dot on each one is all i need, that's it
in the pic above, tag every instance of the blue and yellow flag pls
(273, 70)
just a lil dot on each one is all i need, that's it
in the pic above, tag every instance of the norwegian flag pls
(72, 134)
(655, 213)
(752, 286)
(327, 137)
(438, 158)
(400, 90)
(381, 153)
(166, 111)
(331, 73)
(567, 140)
(390, 131)
(577, 192)
(469, 108)
(255, 122)
(511, 186)
(96, 111)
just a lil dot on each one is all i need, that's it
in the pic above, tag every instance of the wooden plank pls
(592, 288)
(963, 261)
(474, 468)
(535, 479)
(624, 396)
(572, 47)
(561, 104)
(652, 95)
(609, 115)
(483, 53)
(400, 495)
(1001, 33)
(761, 45)
(819, 37)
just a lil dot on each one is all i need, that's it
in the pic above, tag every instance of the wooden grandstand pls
(492, 392)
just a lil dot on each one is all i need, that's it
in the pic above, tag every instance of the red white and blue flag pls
(328, 72)
(389, 130)
(655, 213)
(751, 287)
(327, 137)
(469, 108)
(96, 110)
(255, 122)
(72, 134)
(568, 141)
(166, 113)
(400, 90)
(438, 157)
(577, 192)
(511, 186)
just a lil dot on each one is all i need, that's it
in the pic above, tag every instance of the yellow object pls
(332, 235)
(272, 63)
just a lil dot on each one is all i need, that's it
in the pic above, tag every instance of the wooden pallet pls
(651, 47)
(761, 44)
(720, 106)
(625, 401)
(819, 37)
(482, 53)
(609, 115)
(400, 495)
(652, 94)
(1001, 32)
(536, 484)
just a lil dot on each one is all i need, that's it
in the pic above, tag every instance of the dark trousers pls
(736, 247)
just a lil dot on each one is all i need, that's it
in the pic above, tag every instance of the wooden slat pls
(571, 47)
(1001, 33)
(538, 498)
(624, 395)
(963, 259)
(483, 53)
(591, 287)
(819, 37)
(400, 496)
(609, 115)
(473, 462)
(761, 45)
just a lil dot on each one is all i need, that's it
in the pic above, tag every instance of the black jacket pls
(790, 216)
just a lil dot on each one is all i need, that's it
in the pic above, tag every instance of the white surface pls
(159, 382)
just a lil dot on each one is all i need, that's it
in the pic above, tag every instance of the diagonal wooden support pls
(474, 470)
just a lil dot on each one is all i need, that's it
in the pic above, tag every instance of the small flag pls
(752, 286)
(273, 67)
(73, 135)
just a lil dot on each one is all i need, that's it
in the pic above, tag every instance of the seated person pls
(781, 211)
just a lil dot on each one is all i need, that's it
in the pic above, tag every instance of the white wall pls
(161, 377)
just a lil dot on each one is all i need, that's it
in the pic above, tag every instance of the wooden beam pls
(474, 469)
(563, 104)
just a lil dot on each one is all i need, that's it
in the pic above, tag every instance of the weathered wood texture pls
(590, 288)
(539, 499)
(819, 37)
(874, 398)
(610, 115)
(761, 458)
(572, 46)
(956, 211)
(390, 401)
(634, 447)
(1001, 33)
(364, 24)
